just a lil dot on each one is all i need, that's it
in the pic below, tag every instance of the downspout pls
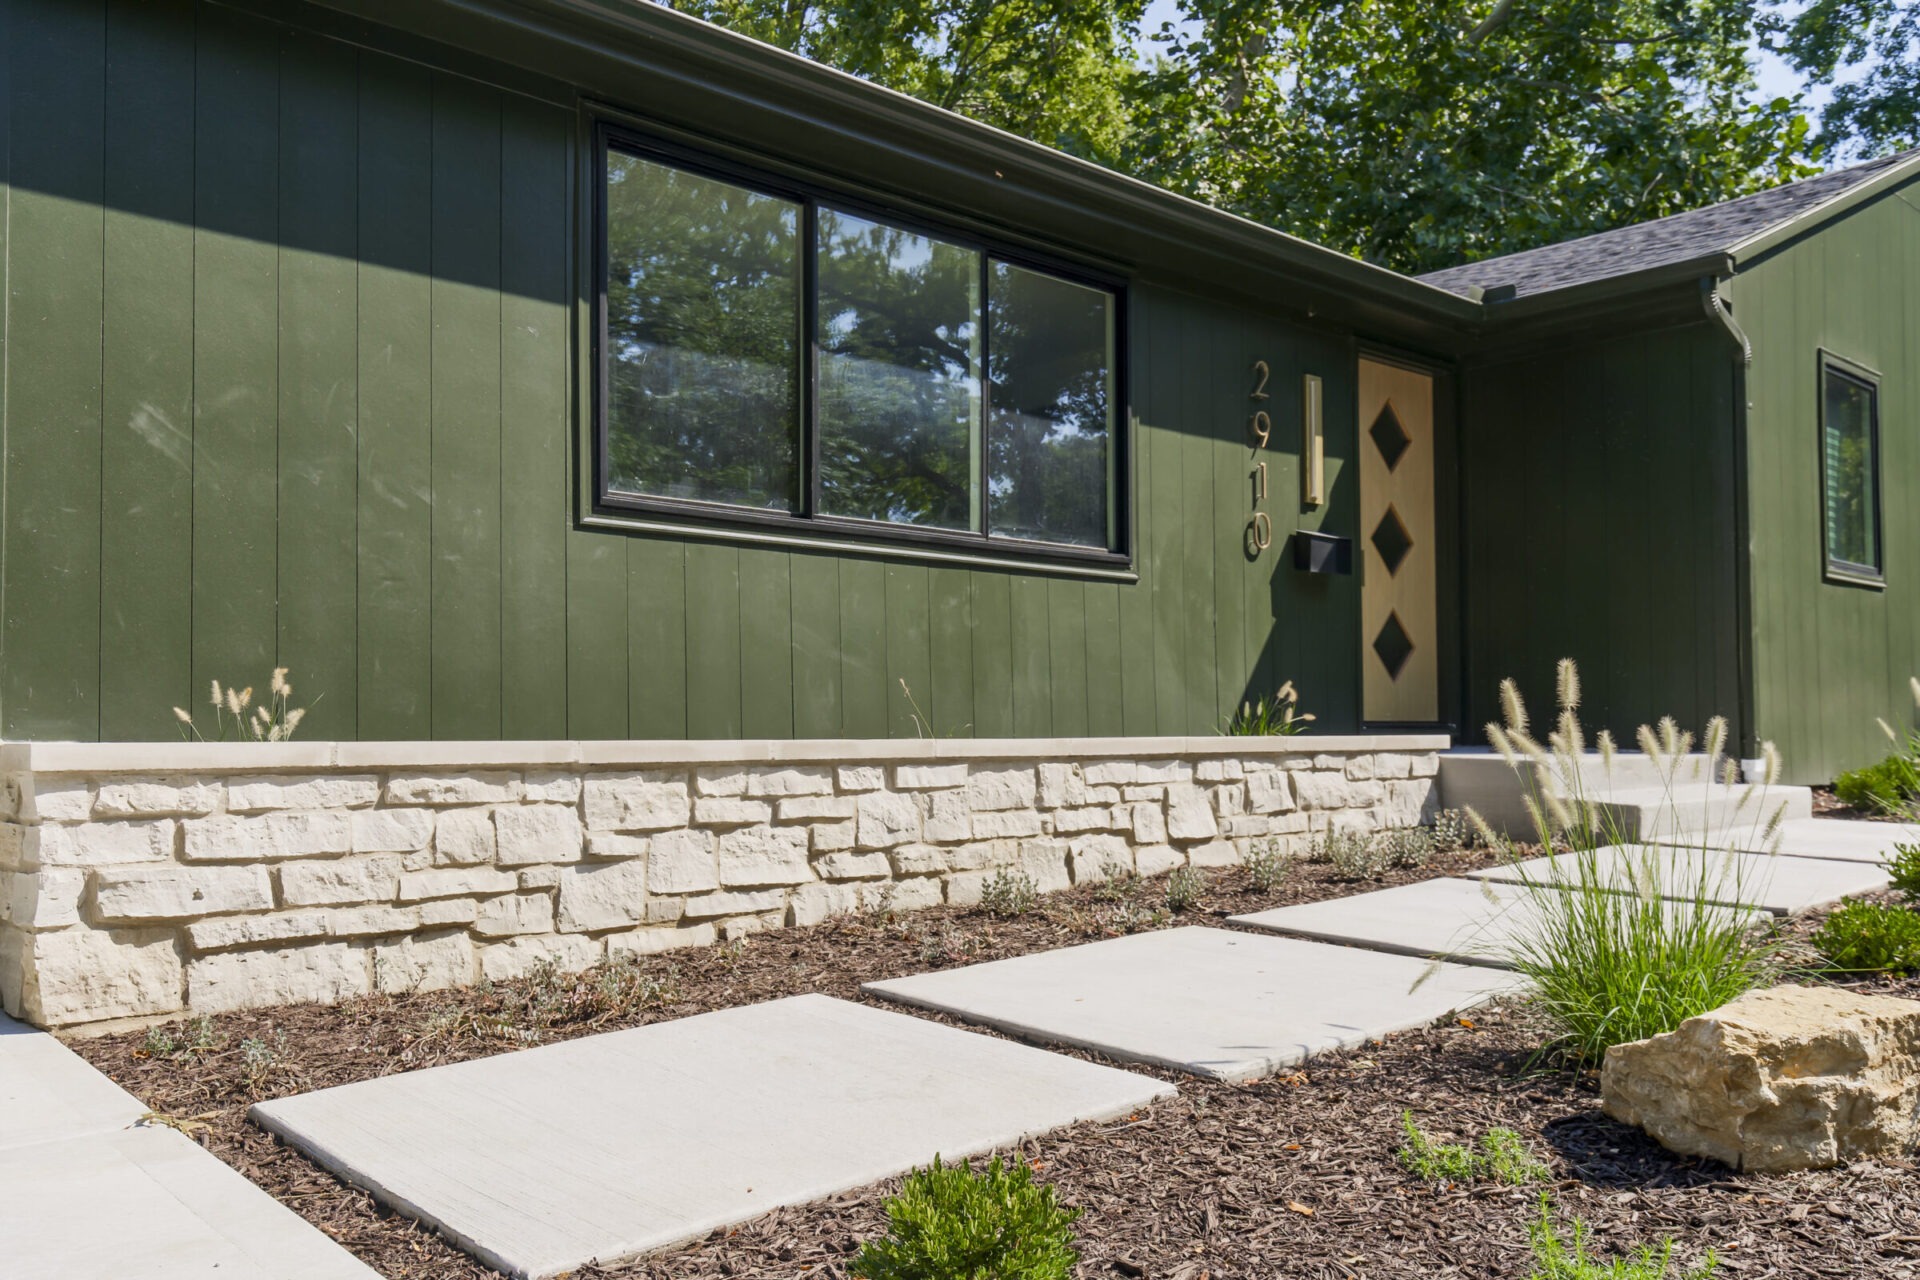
(1721, 313)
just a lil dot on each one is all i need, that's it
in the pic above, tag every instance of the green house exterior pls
(301, 370)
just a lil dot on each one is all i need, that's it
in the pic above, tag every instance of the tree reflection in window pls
(899, 359)
(703, 338)
(1051, 391)
(1851, 471)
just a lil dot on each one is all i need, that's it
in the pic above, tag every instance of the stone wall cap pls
(268, 757)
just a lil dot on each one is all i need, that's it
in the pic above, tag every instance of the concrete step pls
(1641, 800)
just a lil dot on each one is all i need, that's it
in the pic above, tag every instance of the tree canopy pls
(1412, 133)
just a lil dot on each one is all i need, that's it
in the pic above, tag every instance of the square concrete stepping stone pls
(48, 1091)
(1225, 1005)
(1470, 921)
(151, 1203)
(1835, 839)
(603, 1148)
(1785, 886)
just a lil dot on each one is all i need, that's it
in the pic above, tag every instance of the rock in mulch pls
(1787, 1078)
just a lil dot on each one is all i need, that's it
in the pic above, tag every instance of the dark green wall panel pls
(1831, 658)
(146, 446)
(294, 377)
(319, 352)
(50, 684)
(1599, 478)
(394, 320)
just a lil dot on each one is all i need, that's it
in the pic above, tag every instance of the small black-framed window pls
(1850, 472)
(778, 356)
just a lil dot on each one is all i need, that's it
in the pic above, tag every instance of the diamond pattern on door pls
(1393, 646)
(1389, 436)
(1391, 540)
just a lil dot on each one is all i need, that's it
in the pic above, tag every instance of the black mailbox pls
(1322, 552)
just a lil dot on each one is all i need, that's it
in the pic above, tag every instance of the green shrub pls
(1887, 787)
(1009, 893)
(1904, 870)
(1863, 936)
(1407, 846)
(1184, 888)
(1502, 1156)
(1269, 716)
(1507, 1159)
(950, 1223)
(1628, 943)
(1555, 1258)
(1451, 830)
(1268, 863)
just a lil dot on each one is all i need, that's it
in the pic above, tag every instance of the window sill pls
(1842, 577)
(1095, 566)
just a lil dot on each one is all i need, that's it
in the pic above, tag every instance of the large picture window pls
(771, 355)
(1850, 471)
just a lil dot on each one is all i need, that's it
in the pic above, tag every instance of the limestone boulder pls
(1791, 1077)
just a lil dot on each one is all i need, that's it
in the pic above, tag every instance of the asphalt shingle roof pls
(1680, 237)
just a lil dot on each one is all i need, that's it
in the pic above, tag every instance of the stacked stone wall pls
(150, 882)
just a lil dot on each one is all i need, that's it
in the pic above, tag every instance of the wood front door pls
(1398, 607)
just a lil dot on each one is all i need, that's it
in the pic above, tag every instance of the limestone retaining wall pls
(144, 880)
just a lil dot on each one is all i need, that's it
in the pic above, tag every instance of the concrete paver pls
(614, 1145)
(1213, 1002)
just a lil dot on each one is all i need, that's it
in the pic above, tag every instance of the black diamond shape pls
(1393, 645)
(1389, 437)
(1392, 541)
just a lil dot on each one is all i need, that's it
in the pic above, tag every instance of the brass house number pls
(1260, 430)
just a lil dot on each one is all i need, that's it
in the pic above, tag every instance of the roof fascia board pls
(1773, 237)
(1603, 292)
(671, 47)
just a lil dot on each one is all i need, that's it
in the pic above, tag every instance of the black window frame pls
(807, 522)
(1834, 569)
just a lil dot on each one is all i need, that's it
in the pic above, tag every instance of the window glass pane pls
(1050, 364)
(703, 338)
(1851, 472)
(899, 407)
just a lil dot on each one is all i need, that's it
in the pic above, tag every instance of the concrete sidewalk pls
(88, 1193)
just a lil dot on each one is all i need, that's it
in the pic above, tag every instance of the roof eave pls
(1807, 220)
(660, 41)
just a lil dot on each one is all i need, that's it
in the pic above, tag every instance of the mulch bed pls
(1291, 1176)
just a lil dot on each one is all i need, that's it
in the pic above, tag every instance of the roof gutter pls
(1720, 312)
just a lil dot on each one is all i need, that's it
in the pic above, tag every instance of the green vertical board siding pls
(318, 342)
(394, 324)
(766, 645)
(1105, 714)
(1032, 658)
(950, 613)
(1640, 442)
(50, 683)
(1829, 657)
(714, 708)
(236, 355)
(1067, 656)
(909, 648)
(865, 706)
(295, 375)
(535, 366)
(815, 584)
(146, 448)
(604, 614)
(1198, 371)
(657, 593)
(993, 655)
(467, 478)
(1160, 482)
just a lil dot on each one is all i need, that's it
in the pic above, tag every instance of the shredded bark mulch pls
(1292, 1176)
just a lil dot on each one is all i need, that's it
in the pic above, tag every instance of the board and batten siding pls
(1831, 658)
(290, 380)
(1601, 496)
